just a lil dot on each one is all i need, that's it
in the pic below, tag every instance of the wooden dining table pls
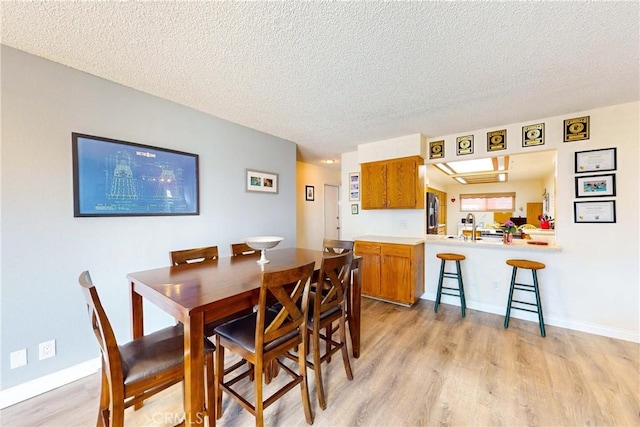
(199, 293)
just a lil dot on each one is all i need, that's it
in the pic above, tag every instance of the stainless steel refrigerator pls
(433, 212)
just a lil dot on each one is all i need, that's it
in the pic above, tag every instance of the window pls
(487, 202)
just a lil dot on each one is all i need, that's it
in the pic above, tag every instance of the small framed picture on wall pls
(309, 193)
(354, 186)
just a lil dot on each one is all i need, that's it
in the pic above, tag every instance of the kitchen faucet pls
(473, 225)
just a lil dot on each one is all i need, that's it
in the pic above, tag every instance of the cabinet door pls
(534, 210)
(402, 184)
(374, 185)
(396, 279)
(370, 271)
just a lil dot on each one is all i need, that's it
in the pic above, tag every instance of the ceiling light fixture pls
(445, 168)
(330, 161)
(502, 177)
(471, 166)
(460, 180)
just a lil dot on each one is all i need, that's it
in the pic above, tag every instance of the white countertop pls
(392, 239)
(492, 243)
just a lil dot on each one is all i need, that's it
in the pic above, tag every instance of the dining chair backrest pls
(337, 246)
(242, 249)
(291, 290)
(112, 361)
(187, 256)
(335, 276)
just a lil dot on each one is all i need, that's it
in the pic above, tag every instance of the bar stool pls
(534, 267)
(450, 275)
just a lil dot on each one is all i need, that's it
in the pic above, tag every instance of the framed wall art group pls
(354, 186)
(533, 135)
(591, 182)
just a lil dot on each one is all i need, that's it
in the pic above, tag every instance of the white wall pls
(593, 283)
(44, 248)
(310, 214)
(396, 222)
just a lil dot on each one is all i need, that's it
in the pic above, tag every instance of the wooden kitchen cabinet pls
(392, 272)
(393, 184)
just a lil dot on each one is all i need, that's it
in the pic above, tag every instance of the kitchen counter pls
(494, 243)
(392, 239)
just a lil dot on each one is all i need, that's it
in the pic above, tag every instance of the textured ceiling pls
(330, 76)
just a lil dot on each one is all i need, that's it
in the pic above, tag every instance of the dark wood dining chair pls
(327, 306)
(187, 256)
(333, 246)
(263, 336)
(242, 249)
(337, 246)
(206, 254)
(135, 371)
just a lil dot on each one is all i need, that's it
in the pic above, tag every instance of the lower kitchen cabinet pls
(392, 272)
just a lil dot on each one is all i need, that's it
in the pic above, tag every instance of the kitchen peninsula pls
(542, 242)
(486, 273)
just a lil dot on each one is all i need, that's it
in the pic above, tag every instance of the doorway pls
(332, 211)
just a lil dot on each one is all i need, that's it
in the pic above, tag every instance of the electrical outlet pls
(496, 287)
(47, 349)
(18, 358)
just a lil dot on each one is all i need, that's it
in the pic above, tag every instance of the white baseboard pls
(32, 388)
(604, 331)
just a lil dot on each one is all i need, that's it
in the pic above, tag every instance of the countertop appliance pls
(433, 213)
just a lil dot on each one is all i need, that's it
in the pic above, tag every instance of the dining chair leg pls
(317, 368)
(304, 385)
(117, 414)
(219, 374)
(259, 404)
(211, 394)
(328, 333)
(345, 353)
(103, 411)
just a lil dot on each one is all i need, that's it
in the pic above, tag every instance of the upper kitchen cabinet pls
(393, 184)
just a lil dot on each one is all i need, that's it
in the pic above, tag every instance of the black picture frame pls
(603, 185)
(533, 135)
(464, 145)
(600, 160)
(309, 193)
(577, 129)
(594, 212)
(436, 149)
(114, 178)
(497, 140)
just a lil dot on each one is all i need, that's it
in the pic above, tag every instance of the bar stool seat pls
(450, 275)
(534, 266)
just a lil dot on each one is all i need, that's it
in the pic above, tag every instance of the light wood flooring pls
(419, 368)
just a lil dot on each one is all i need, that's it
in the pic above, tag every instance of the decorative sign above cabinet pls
(436, 149)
